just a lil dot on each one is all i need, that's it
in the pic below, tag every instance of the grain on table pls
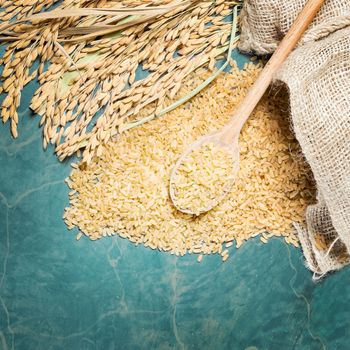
(125, 191)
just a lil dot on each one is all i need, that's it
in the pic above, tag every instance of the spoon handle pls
(258, 89)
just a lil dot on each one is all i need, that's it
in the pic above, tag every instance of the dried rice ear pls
(89, 93)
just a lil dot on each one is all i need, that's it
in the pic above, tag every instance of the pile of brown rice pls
(125, 190)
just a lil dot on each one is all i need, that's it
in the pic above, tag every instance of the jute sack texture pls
(317, 76)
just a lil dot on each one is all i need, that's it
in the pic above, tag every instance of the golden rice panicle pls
(202, 178)
(125, 190)
(88, 88)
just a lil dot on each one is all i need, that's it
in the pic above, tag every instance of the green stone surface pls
(57, 293)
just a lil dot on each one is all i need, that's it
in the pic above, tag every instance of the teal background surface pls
(57, 293)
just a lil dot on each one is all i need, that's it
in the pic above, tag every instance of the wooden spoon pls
(228, 136)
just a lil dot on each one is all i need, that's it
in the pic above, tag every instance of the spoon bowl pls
(219, 143)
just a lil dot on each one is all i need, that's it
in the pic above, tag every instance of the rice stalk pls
(233, 40)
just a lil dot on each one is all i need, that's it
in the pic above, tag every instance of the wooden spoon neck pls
(242, 113)
(230, 133)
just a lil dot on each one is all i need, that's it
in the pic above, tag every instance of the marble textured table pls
(57, 293)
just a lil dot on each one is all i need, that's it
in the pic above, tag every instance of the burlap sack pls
(317, 75)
